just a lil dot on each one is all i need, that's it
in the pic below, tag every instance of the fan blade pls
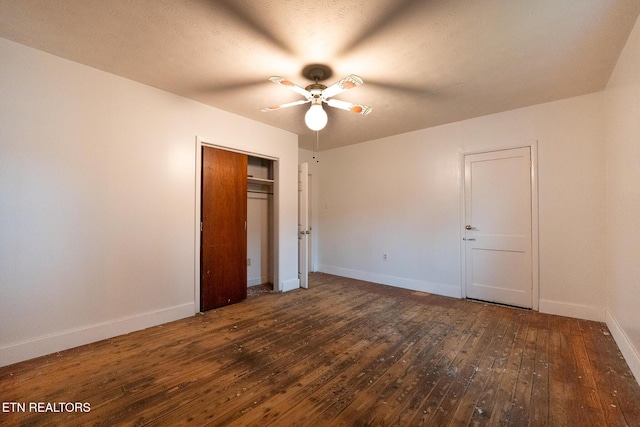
(288, 104)
(348, 82)
(291, 86)
(349, 106)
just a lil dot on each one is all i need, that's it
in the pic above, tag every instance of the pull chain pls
(315, 148)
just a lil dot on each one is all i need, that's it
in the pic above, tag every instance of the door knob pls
(468, 227)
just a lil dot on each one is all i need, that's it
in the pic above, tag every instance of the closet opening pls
(236, 238)
(260, 208)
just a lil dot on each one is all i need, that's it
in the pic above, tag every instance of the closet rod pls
(259, 192)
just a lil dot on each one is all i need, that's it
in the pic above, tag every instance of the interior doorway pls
(312, 267)
(254, 183)
(303, 225)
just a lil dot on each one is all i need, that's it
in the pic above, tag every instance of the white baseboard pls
(578, 311)
(398, 282)
(289, 285)
(627, 349)
(41, 346)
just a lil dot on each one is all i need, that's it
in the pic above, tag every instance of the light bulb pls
(316, 117)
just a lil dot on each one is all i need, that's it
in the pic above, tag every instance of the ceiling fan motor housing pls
(316, 89)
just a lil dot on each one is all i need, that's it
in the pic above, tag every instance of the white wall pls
(97, 201)
(623, 202)
(258, 238)
(401, 195)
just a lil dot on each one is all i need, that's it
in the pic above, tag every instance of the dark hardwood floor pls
(344, 352)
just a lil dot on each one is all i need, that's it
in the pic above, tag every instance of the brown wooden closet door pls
(224, 236)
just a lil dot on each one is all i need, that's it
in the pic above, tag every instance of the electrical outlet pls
(384, 257)
(248, 262)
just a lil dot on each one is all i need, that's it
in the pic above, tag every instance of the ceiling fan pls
(317, 93)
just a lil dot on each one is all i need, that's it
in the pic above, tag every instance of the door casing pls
(533, 146)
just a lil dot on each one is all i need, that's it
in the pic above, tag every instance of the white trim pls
(578, 311)
(626, 348)
(535, 236)
(398, 282)
(197, 219)
(197, 214)
(289, 285)
(463, 262)
(48, 344)
(535, 257)
(221, 146)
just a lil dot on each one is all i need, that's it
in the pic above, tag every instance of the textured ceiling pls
(424, 63)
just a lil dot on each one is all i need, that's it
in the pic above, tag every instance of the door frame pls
(198, 214)
(535, 264)
(312, 264)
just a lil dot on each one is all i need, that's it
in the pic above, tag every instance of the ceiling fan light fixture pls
(316, 93)
(316, 117)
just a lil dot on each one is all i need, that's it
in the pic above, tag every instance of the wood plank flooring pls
(344, 352)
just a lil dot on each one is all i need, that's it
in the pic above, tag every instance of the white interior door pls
(303, 224)
(498, 232)
(310, 204)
